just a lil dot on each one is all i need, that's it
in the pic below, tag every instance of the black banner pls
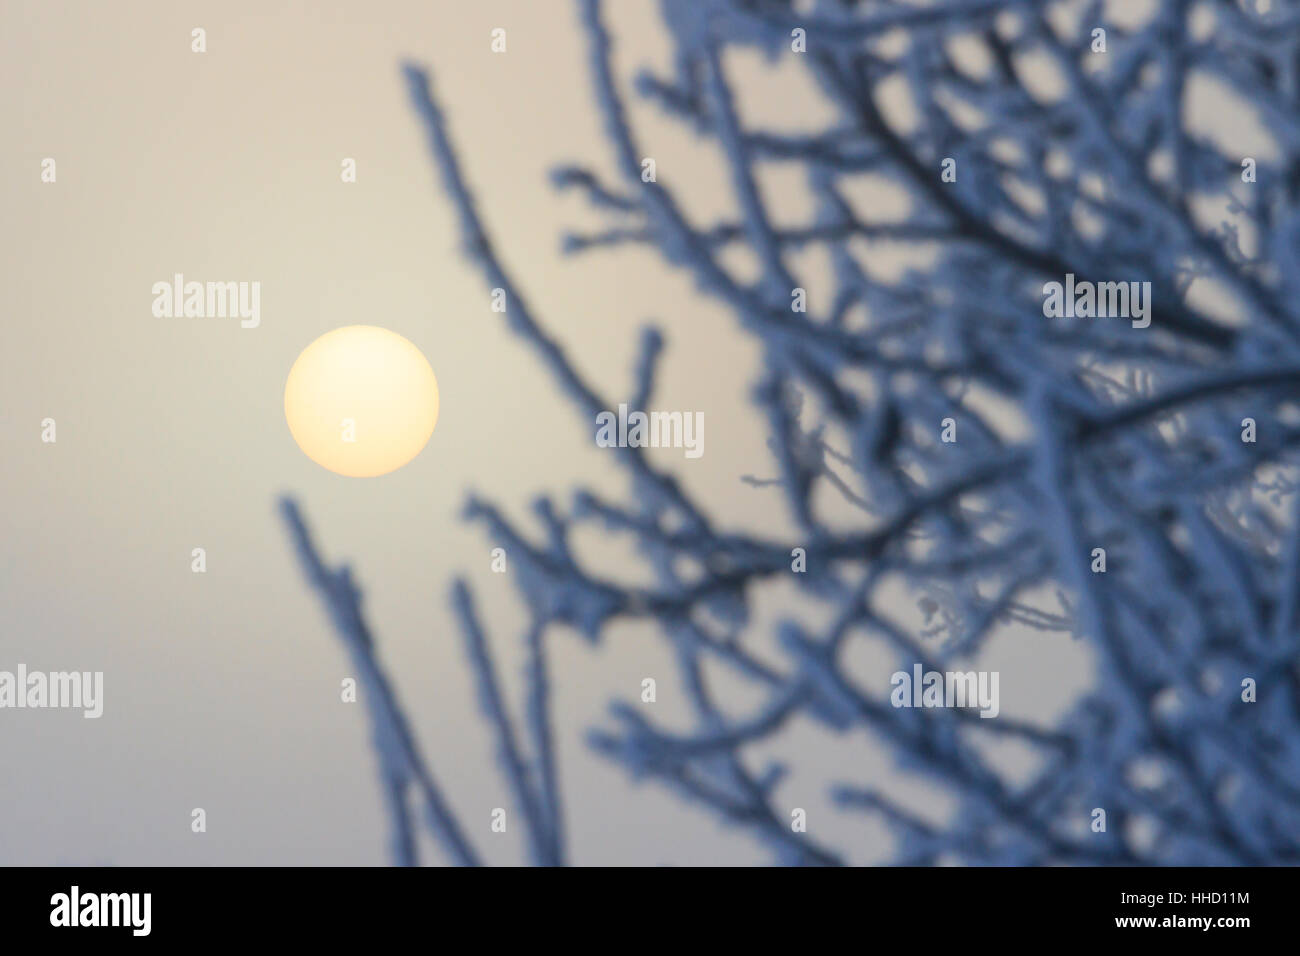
(334, 905)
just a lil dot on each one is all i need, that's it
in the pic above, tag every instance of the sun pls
(361, 401)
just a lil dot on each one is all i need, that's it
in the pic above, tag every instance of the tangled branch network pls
(1132, 488)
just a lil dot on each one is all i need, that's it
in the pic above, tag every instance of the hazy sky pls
(222, 688)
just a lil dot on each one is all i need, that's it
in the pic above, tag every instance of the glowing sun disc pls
(361, 401)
